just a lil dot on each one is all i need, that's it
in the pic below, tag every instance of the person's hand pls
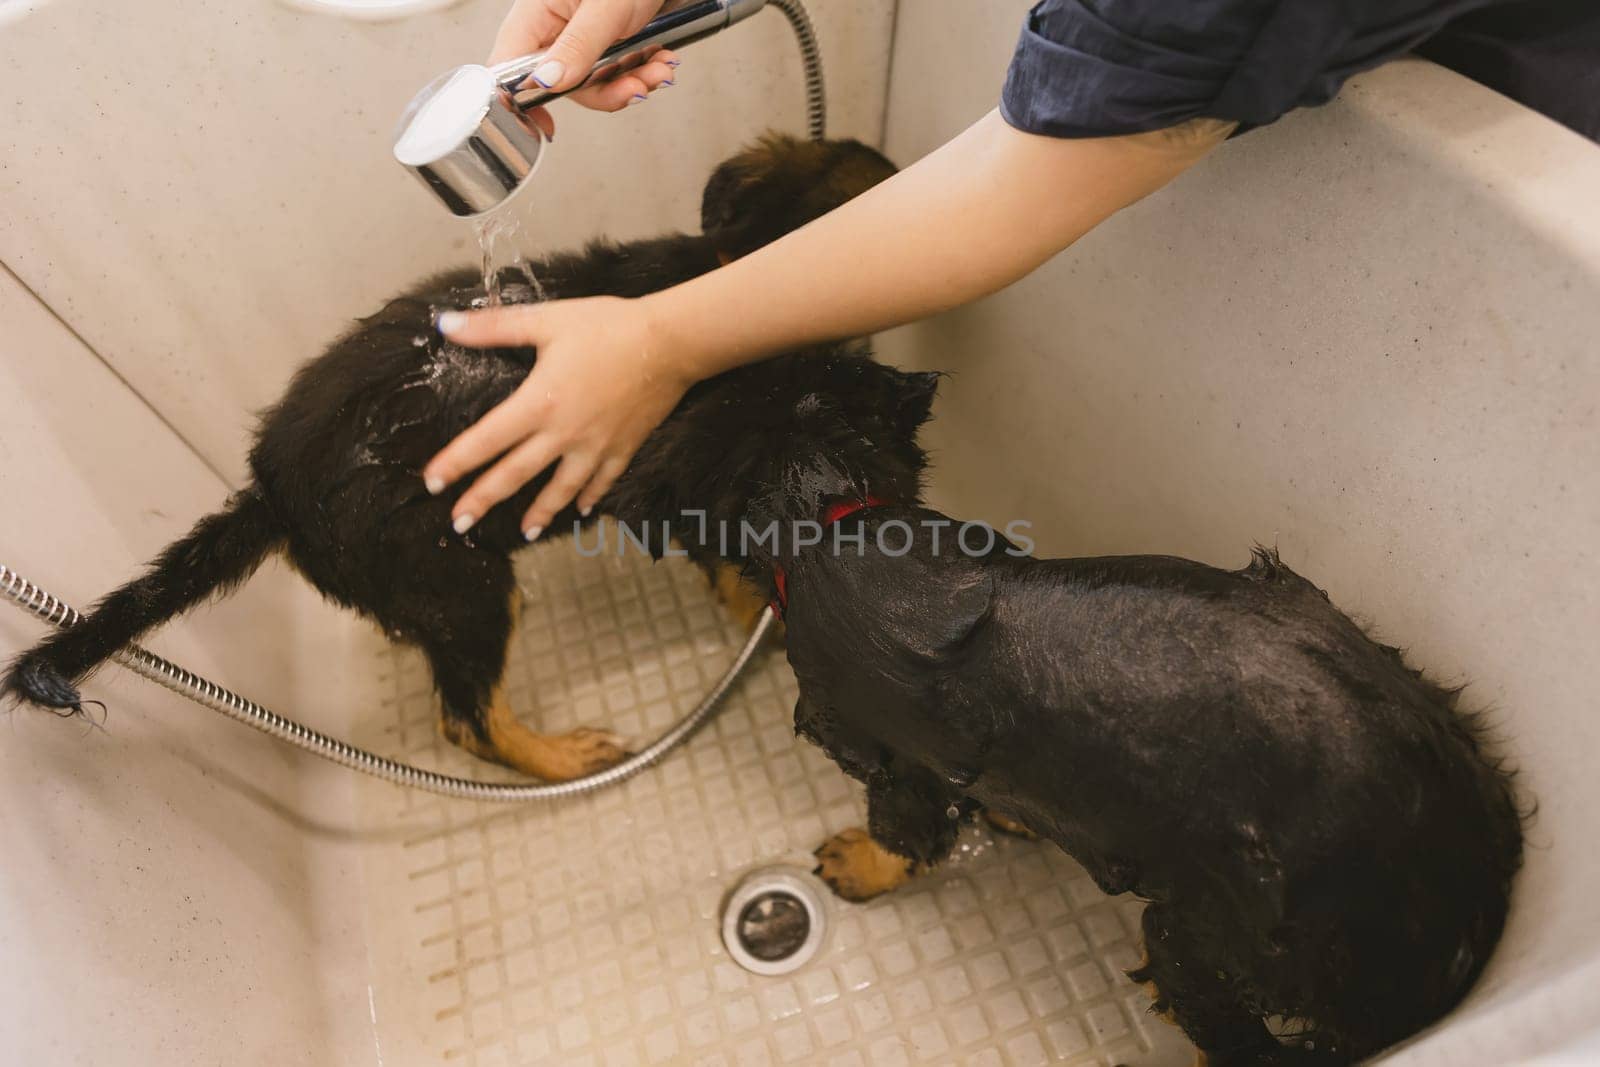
(599, 386)
(574, 33)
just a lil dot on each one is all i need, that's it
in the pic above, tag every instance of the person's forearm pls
(969, 219)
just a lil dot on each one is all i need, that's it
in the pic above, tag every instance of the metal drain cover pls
(774, 920)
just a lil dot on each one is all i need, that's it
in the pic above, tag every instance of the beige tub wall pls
(1366, 335)
(174, 887)
(205, 190)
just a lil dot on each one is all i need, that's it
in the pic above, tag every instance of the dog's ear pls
(751, 198)
(779, 184)
(902, 399)
(718, 203)
(916, 403)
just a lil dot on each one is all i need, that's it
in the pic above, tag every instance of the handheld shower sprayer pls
(465, 136)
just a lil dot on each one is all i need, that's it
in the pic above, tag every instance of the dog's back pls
(338, 455)
(1329, 826)
(1322, 822)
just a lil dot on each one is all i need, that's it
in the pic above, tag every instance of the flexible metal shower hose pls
(811, 59)
(241, 709)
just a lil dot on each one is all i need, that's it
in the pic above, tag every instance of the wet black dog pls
(1321, 834)
(336, 463)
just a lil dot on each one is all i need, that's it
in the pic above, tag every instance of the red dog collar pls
(834, 512)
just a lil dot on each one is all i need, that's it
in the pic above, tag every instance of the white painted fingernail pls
(549, 72)
(532, 533)
(433, 484)
(450, 321)
(637, 99)
(463, 523)
(585, 509)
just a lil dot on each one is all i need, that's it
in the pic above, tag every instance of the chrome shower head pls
(466, 138)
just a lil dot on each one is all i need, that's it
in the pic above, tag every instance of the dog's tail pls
(220, 552)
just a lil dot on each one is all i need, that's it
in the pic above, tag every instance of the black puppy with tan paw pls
(336, 487)
(1320, 833)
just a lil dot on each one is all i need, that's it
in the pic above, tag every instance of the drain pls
(774, 921)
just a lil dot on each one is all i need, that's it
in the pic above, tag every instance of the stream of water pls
(498, 234)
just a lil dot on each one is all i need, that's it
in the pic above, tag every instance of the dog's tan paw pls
(858, 868)
(552, 757)
(1007, 825)
(582, 752)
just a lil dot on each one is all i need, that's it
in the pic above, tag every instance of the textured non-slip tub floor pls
(587, 932)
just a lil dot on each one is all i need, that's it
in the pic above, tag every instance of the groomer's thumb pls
(595, 26)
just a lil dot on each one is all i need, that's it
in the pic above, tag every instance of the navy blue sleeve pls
(1094, 68)
(1544, 54)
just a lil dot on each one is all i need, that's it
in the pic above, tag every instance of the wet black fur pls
(336, 485)
(1321, 834)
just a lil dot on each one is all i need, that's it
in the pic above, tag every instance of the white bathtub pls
(1364, 334)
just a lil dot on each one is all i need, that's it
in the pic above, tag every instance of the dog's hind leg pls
(1188, 990)
(465, 633)
(738, 597)
(912, 817)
